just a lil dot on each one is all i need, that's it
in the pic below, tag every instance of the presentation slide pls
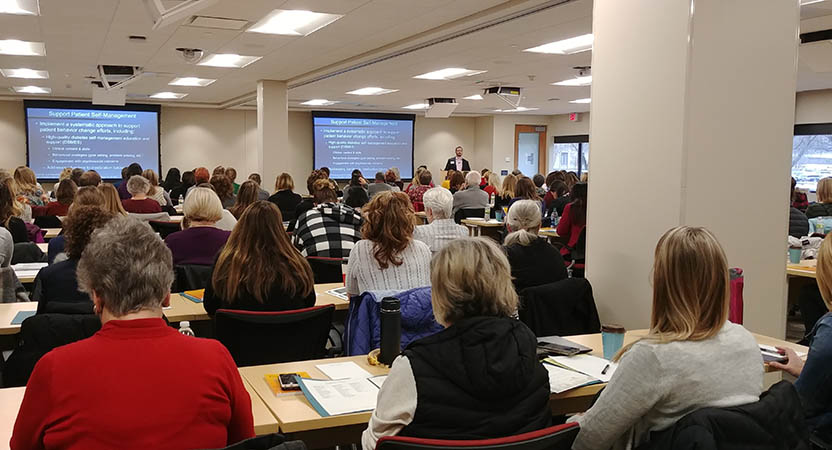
(368, 142)
(105, 140)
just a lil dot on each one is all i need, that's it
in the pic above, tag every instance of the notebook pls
(194, 296)
(21, 316)
(336, 397)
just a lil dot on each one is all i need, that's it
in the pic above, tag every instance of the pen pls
(606, 368)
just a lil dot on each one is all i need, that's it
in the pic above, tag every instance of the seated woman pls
(111, 202)
(179, 191)
(224, 189)
(813, 378)
(492, 188)
(417, 191)
(506, 192)
(355, 194)
(140, 203)
(573, 221)
(202, 240)
(533, 260)
(284, 197)
(444, 386)
(57, 283)
(86, 196)
(456, 182)
(674, 370)
(526, 190)
(182, 392)
(245, 197)
(258, 269)
(387, 257)
(8, 220)
(156, 192)
(65, 193)
(28, 186)
(823, 207)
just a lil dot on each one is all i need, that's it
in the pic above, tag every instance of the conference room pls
(378, 224)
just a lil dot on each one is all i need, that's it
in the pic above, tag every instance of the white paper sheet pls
(588, 364)
(343, 370)
(562, 380)
(378, 380)
(340, 292)
(26, 270)
(343, 396)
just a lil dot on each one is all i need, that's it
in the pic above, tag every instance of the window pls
(811, 154)
(570, 153)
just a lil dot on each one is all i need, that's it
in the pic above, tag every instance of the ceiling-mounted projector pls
(439, 107)
(503, 90)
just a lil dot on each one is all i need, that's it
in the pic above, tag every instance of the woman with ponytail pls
(533, 260)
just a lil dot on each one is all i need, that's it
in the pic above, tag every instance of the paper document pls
(378, 380)
(344, 370)
(773, 351)
(586, 364)
(340, 292)
(26, 270)
(334, 397)
(562, 380)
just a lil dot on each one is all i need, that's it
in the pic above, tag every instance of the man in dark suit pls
(458, 162)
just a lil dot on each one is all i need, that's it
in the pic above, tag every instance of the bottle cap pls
(390, 304)
(184, 324)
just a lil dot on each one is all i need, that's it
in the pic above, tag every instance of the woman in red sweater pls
(65, 193)
(137, 383)
(140, 203)
(573, 221)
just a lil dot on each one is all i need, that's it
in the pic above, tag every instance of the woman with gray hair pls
(533, 260)
(441, 227)
(444, 386)
(137, 383)
(140, 203)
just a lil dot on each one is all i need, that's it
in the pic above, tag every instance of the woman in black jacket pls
(534, 261)
(284, 198)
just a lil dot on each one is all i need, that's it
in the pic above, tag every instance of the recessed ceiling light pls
(25, 73)
(319, 102)
(449, 74)
(22, 7)
(581, 100)
(168, 95)
(32, 90)
(565, 47)
(372, 91)
(809, 2)
(517, 109)
(416, 106)
(22, 48)
(293, 22)
(191, 81)
(473, 97)
(227, 60)
(577, 81)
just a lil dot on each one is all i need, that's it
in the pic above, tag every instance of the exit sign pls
(574, 117)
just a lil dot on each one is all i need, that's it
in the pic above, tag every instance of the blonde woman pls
(478, 378)
(66, 173)
(28, 186)
(692, 357)
(534, 261)
(20, 209)
(415, 181)
(813, 377)
(155, 192)
(507, 191)
(823, 207)
(493, 186)
(112, 202)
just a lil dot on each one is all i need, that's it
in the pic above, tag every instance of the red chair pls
(255, 337)
(559, 437)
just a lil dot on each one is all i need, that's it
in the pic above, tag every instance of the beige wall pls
(436, 139)
(813, 107)
(12, 135)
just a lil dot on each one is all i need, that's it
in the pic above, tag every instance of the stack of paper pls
(586, 364)
(334, 397)
(340, 292)
(562, 380)
(28, 270)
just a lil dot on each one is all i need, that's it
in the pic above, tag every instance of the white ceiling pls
(80, 34)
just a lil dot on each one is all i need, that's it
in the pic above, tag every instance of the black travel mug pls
(391, 330)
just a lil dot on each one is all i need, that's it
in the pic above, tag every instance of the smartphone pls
(289, 382)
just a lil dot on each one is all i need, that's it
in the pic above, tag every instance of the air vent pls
(137, 38)
(217, 22)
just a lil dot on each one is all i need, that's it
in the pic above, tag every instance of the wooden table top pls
(43, 246)
(184, 309)
(10, 399)
(7, 313)
(548, 232)
(51, 233)
(807, 269)
(476, 222)
(264, 420)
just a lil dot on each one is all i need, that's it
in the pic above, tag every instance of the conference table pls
(807, 268)
(50, 233)
(478, 226)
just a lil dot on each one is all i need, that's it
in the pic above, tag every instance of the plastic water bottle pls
(488, 208)
(181, 199)
(391, 330)
(553, 218)
(185, 328)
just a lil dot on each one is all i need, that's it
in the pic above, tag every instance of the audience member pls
(380, 185)
(525, 190)
(417, 192)
(798, 222)
(132, 170)
(90, 178)
(507, 191)
(538, 181)
(415, 181)
(245, 197)
(391, 178)
(446, 183)
(109, 198)
(219, 170)
(156, 192)
(20, 209)
(8, 220)
(65, 194)
(201, 176)
(200, 242)
(571, 179)
(441, 227)
(397, 178)
(258, 269)
(65, 174)
(262, 194)
(387, 258)
(444, 386)
(457, 182)
(6, 249)
(57, 283)
(86, 196)
(355, 194)
(188, 181)
(329, 228)
(533, 260)
(492, 188)
(138, 186)
(284, 197)
(27, 186)
(138, 382)
(573, 221)
(823, 207)
(556, 198)
(231, 174)
(172, 180)
(76, 175)
(224, 189)
(472, 196)
(673, 370)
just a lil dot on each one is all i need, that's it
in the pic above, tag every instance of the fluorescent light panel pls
(293, 22)
(25, 73)
(227, 60)
(449, 74)
(518, 109)
(191, 81)
(473, 97)
(809, 2)
(577, 81)
(416, 106)
(168, 95)
(32, 90)
(581, 100)
(372, 91)
(569, 46)
(319, 102)
(22, 48)
(21, 7)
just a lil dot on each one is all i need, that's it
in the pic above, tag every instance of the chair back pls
(464, 213)
(562, 308)
(254, 337)
(162, 216)
(188, 277)
(326, 270)
(165, 228)
(27, 252)
(559, 437)
(48, 222)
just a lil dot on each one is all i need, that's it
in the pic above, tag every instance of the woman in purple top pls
(201, 240)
